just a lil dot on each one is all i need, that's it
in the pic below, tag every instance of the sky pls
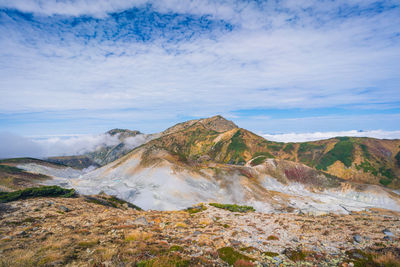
(274, 67)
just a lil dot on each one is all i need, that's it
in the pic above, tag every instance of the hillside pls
(364, 160)
(213, 160)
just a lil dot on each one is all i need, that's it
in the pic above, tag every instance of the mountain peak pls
(218, 124)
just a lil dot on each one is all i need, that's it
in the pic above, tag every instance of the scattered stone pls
(277, 259)
(141, 221)
(63, 208)
(21, 233)
(195, 233)
(388, 232)
(388, 238)
(357, 238)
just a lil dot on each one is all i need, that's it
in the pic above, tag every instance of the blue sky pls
(80, 67)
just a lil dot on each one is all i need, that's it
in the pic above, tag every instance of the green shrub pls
(233, 207)
(397, 157)
(176, 248)
(265, 154)
(237, 144)
(306, 147)
(288, 148)
(367, 167)
(386, 172)
(275, 146)
(366, 153)
(122, 202)
(342, 151)
(385, 181)
(270, 254)
(196, 209)
(43, 191)
(258, 160)
(231, 256)
(10, 169)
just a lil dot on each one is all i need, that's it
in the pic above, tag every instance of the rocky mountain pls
(363, 160)
(212, 159)
(127, 140)
(107, 154)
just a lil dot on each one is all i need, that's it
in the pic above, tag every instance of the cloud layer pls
(304, 137)
(170, 59)
(13, 145)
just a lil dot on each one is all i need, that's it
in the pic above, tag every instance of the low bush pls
(43, 191)
(233, 207)
(231, 256)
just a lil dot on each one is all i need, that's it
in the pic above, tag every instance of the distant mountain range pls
(213, 159)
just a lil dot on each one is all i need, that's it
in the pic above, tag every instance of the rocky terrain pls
(104, 231)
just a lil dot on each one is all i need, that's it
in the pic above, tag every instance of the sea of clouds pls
(13, 145)
(304, 137)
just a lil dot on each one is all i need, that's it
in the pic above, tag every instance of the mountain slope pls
(364, 160)
(212, 160)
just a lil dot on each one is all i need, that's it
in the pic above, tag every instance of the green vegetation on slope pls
(258, 160)
(233, 207)
(365, 151)
(397, 157)
(10, 169)
(231, 256)
(237, 146)
(342, 151)
(288, 148)
(43, 191)
(308, 153)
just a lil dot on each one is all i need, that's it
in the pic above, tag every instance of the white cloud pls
(304, 137)
(295, 54)
(98, 8)
(12, 145)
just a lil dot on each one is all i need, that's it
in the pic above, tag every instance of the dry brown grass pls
(387, 259)
(137, 235)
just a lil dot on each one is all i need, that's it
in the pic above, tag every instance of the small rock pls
(50, 203)
(357, 238)
(388, 238)
(317, 249)
(196, 233)
(63, 208)
(277, 259)
(357, 256)
(388, 232)
(141, 221)
(295, 239)
(21, 233)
